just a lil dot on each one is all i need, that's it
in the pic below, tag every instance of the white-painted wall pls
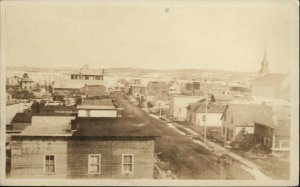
(178, 106)
(213, 119)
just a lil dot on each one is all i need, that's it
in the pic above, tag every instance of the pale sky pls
(229, 35)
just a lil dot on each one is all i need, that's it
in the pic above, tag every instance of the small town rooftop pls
(131, 127)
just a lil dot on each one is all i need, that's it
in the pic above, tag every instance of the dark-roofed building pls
(196, 114)
(274, 134)
(87, 149)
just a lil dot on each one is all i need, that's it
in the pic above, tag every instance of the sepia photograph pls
(170, 92)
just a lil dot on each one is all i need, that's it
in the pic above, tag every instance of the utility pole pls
(206, 103)
(159, 109)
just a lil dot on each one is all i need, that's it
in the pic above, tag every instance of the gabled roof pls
(200, 107)
(243, 114)
(269, 79)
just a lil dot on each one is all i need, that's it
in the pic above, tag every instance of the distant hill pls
(187, 74)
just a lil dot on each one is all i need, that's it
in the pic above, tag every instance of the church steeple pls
(264, 65)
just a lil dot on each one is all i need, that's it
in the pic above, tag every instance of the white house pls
(179, 104)
(97, 108)
(174, 87)
(196, 114)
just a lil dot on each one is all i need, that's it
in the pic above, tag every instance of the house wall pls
(20, 126)
(235, 131)
(277, 146)
(27, 85)
(213, 119)
(265, 91)
(97, 113)
(111, 158)
(27, 158)
(71, 158)
(13, 81)
(261, 132)
(178, 106)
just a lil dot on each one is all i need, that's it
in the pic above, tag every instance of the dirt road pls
(178, 153)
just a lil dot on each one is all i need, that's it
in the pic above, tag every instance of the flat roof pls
(113, 127)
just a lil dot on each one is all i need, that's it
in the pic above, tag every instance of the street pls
(179, 154)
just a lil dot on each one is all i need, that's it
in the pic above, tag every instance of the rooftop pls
(22, 118)
(96, 107)
(112, 127)
(200, 107)
(49, 125)
(244, 113)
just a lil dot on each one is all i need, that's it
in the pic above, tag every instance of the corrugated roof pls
(112, 127)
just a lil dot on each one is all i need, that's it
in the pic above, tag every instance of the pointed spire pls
(264, 64)
(265, 55)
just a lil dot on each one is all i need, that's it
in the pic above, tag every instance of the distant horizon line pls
(141, 68)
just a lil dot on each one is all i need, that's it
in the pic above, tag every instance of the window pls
(127, 163)
(49, 164)
(204, 118)
(231, 120)
(267, 142)
(284, 144)
(94, 164)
